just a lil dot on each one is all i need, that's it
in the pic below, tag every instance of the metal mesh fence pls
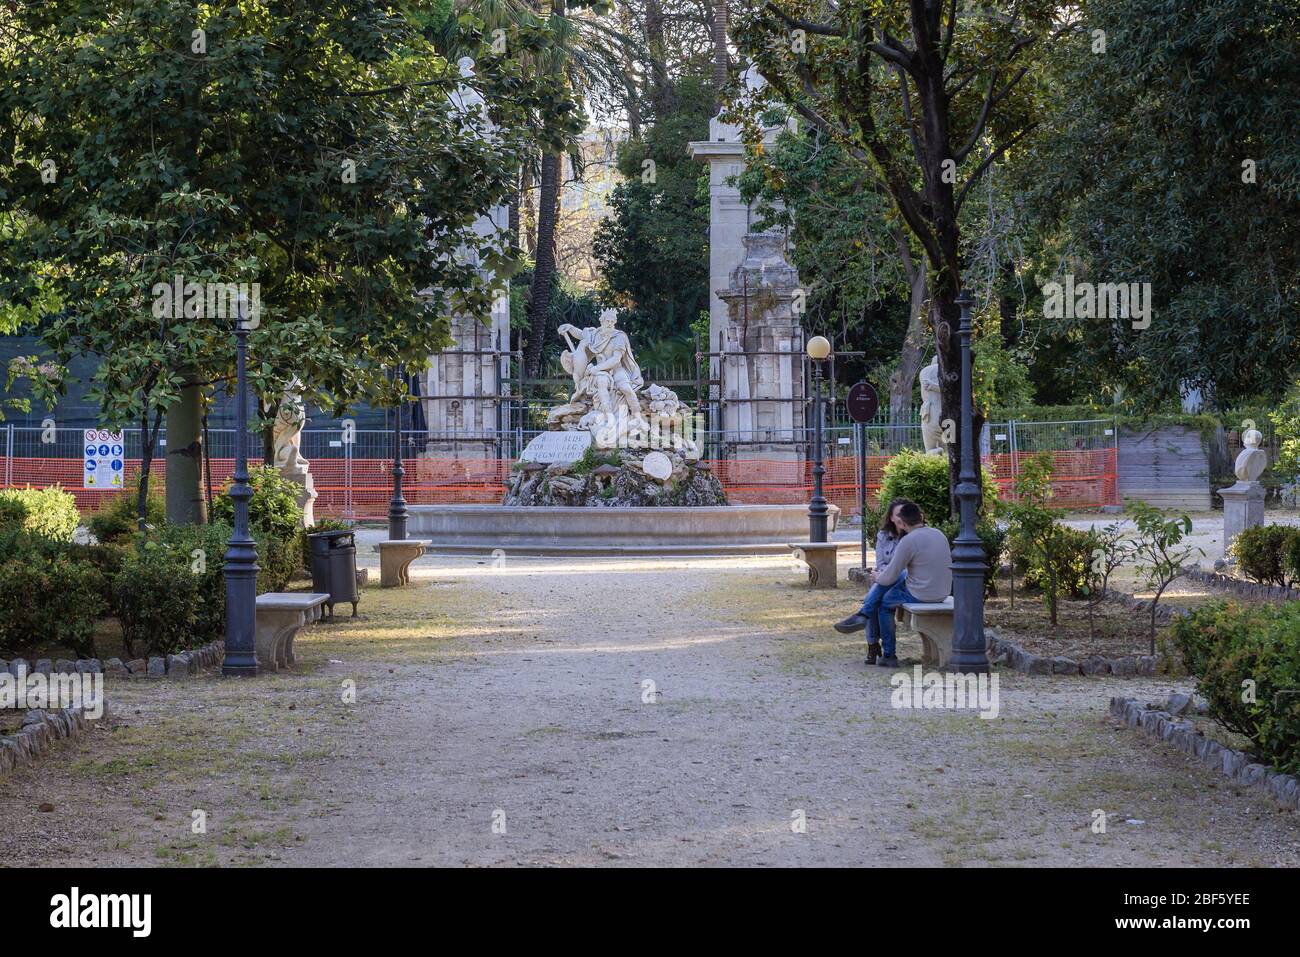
(352, 469)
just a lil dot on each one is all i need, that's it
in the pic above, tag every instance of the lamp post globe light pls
(241, 569)
(818, 350)
(968, 557)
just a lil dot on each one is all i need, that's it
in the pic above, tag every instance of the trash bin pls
(334, 567)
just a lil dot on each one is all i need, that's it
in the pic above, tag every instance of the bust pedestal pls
(1243, 508)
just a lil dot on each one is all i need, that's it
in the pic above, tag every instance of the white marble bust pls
(1253, 460)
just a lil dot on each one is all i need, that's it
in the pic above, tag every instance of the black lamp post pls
(397, 507)
(241, 569)
(968, 558)
(819, 350)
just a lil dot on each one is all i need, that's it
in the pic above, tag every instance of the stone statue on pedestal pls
(606, 378)
(286, 441)
(931, 408)
(1243, 503)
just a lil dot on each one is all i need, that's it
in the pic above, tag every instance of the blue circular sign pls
(117, 450)
(90, 450)
(90, 466)
(117, 465)
(103, 450)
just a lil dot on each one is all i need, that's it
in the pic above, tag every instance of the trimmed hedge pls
(1246, 659)
(1269, 554)
(49, 598)
(48, 512)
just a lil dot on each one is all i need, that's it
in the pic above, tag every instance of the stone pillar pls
(1243, 508)
(761, 373)
(461, 385)
(768, 324)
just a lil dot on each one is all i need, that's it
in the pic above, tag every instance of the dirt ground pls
(624, 712)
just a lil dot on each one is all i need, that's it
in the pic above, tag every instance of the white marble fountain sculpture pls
(611, 401)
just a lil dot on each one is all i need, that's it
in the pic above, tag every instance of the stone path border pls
(1236, 586)
(182, 665)
(1183, 735)
(1011, 655)
(40, 729)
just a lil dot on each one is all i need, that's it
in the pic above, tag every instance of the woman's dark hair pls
(910, 512)
(886, 525)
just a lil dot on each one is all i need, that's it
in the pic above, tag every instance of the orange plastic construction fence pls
(361, 488)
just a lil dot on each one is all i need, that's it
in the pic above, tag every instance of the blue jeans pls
(895, 595)
(871, 608)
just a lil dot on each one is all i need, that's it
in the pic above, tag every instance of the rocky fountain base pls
(615, 479)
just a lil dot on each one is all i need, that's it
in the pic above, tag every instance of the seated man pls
(922, 553)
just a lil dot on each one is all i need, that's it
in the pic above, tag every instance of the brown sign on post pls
(863, 402)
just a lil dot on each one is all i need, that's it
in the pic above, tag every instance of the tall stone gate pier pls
(756, 367)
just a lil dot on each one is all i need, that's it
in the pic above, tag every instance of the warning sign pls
(104, 455)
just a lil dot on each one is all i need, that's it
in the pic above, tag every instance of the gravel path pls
(517, 696)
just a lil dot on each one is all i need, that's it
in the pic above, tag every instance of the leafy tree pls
(1159, 551)
(1034, 529)
(311, 147)
(1170, 157)
(945, 83)
(654, 249)
(1111, 549)
(864, 284)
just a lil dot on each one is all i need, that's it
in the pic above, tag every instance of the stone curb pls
(1246, 589)
(1164, 613)
(40, 729)
(179, 666)
(1183, 735)
(1011, 655)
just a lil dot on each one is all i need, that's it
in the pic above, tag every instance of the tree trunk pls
(544, 269)
(662, 93)
(721, 58)
(184, 489)
(516, 198)
(528, 213)
(147, 441)
(912, 355)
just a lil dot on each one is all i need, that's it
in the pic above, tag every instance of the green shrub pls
(275, 520)
(1067, 559)
(49, 599)
(992, 536)
(924, 479)
(279, 558)
(1246, 660)
(116, 521)
(273, 509)
(156, 600)
(201, 549)
(1263, 553)
(48, 512)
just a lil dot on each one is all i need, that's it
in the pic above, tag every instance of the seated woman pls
(886, 541)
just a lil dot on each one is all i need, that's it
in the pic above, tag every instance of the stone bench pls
(822, 559)
(395, 557)
(279, 617)
(933, 622)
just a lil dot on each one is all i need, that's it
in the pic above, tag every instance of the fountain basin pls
(577, 530)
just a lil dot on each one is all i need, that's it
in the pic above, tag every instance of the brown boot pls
(873, 652)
